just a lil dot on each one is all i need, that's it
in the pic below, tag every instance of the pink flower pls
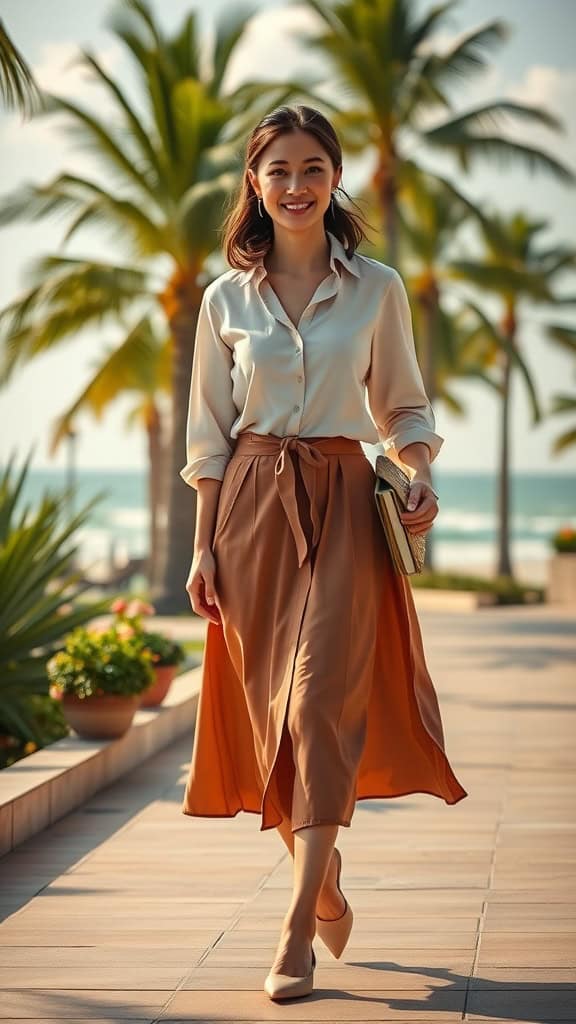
(138, 607)
(118, 605)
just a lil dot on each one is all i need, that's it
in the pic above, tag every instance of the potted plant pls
(99, 677)
(562, 566)
(165, 652)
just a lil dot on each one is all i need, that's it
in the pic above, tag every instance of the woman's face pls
(294, 178)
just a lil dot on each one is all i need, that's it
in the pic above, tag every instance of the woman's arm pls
(207, 503)
(399, 404)
(398, 401)
(211, 413)
(211, 410)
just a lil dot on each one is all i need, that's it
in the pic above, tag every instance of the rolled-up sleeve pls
(211, 410)
(398, 402)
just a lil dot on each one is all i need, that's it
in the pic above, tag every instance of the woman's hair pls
(246, 236)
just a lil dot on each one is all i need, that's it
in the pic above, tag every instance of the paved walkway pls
(128, 910)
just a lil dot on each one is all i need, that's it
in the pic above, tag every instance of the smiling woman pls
(315, 691)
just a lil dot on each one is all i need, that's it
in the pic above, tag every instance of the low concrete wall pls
(43, 787)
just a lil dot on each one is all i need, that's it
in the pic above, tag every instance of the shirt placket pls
(325, 290)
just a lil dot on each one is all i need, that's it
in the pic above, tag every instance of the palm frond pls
(502, 342)
(18, 87)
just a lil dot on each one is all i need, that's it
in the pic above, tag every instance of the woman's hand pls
(422, 507)
(200, 586)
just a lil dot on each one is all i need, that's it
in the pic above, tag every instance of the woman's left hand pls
(423, 500)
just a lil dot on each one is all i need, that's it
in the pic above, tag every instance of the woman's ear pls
(253, 180)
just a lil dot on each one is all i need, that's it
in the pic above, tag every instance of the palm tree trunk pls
(181, 302)
(385, 185)
(154, 435)
(504, 564)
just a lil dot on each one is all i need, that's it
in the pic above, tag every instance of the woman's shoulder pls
(375, 270)
(220, 287)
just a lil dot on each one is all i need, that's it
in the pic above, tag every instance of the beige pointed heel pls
(335, 931)
(284, 986)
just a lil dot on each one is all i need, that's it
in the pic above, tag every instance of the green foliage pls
(94, 663)
(505, 588)
(564, 539)
(49, 723)
(39, 596)
(164, 650)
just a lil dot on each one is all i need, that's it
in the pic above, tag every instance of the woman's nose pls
(296, 185)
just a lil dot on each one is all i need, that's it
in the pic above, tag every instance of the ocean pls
(464, 533)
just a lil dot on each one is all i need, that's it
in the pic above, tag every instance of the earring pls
(332, 204)
(260, 206)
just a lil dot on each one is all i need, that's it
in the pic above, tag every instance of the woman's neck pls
(298, 254)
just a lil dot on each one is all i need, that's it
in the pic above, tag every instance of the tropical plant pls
(168, 172)
(140, 366)
(39, 600)
(163, 649)
(18, 88)
(386, 57)
(515, 268)
(95, 662)
(128, 617)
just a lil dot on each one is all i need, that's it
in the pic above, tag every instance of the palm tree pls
(384, 54)
(515, 268)
(451, 345)
(18, 88)
(141, 367)
(168, 174)
(563, 403)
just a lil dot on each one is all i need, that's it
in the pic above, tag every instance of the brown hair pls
(246, 236)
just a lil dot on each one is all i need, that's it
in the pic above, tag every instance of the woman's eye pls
(278, 170)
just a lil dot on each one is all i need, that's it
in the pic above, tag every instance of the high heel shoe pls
(335, 931)
(284, 986)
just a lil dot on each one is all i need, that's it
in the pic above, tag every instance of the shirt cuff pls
(408, 436)
(212, 466)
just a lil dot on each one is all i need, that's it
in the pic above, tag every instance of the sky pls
(535, 66)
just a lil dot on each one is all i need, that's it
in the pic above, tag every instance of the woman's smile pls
(298, 208)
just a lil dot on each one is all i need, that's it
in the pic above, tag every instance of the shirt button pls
(296, 408)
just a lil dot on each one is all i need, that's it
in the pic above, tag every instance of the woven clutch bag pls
(391, 492)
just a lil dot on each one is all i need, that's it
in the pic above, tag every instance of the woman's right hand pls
(200, 587)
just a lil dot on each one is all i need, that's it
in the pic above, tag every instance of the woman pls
(315, 691)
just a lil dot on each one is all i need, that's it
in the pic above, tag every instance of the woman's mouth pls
(297, 209)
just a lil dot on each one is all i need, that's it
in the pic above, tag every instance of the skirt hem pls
(345, 824)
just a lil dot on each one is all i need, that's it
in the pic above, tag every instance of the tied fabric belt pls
(311, 452)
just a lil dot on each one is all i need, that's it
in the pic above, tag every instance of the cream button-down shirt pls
(348, 367)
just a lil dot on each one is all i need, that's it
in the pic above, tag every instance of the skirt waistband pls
(250, 443)
(311, 453)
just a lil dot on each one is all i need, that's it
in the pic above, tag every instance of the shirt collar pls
(337, 252)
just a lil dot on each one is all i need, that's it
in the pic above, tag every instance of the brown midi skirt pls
(315, 691)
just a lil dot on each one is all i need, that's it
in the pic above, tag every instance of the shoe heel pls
(284, 986)
(335, 932)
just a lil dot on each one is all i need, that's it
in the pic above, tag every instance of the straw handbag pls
(391, 492)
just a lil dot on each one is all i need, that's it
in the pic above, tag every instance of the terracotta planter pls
(154, 695)
(100, 717)
(562, 577)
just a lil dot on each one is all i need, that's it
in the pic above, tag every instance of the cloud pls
(59, 71)
(554, 89)
(270, 48)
